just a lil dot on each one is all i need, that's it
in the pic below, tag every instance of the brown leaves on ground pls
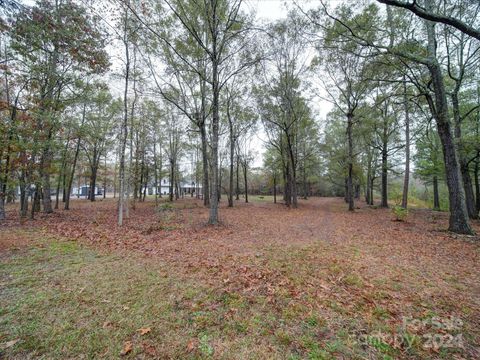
(10, 343)
(320, 256)
(192, 345)
(144, 331)
(127, 348)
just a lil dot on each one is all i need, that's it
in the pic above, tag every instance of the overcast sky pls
(266, 10)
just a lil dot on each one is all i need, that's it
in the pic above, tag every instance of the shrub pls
(400, 213)
(165, 207)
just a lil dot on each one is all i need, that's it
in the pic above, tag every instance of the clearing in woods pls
(315, 282)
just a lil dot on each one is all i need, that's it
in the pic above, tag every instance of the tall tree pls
(55, 51)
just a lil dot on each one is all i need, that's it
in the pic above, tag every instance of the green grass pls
(60, 301)
(261, 198)
(64, 301)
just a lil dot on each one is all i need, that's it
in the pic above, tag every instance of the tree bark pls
(124, 132)
(93, 183)
(74, 164)
(431, 15)
(406, 179)
(237, 187)
(45, 175)
(232, 150)
(23, 193)
(345, 197)
(372, 179)
(105, 179)
(458, 221)
(205, 180)
(288, 180)
(213, 217)
(293, 173)
(464, 169)
(477, 184)
(384, 202)
(351, 205)
(468, 186)
(2, 205)
(275, 188)
(436, 198)
(245, 178)
(172, 180)
(305, 185)
(369, 176)
(35, 202)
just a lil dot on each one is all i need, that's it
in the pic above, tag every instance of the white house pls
(186, 187)
(84, 190)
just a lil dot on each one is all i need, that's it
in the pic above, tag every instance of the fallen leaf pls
(192, 344)
(127, 347)
(144, 331)
(10, 343)
(107, 324)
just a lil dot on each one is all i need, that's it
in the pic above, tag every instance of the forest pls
(240, 179)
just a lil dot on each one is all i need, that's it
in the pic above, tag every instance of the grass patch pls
(262, 198)
(60, 301)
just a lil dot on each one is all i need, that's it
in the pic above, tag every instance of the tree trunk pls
(305, 185)
(232, 150)
(45, 175)
(477, 185)
(23, 194)
(371, 190)
(124, 129)
(155, 165)
(436, 198)
(74, 164)
(115, 178)
(275, 188)
(293, 173)
(468, 186)
(93, 182)
(213, 217)
(172, 179)
(57, 191)
(35, 202)
(345, 196)
(105, 179)
(288, 180)
(245, 178)
(64, 184)
(237, 187)
(384, 202)
(351, 204)
(464, 169)
(205, 182)
(458, 221)
(220, 181)
(2, 205)
(369, 175)
(406, 178)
